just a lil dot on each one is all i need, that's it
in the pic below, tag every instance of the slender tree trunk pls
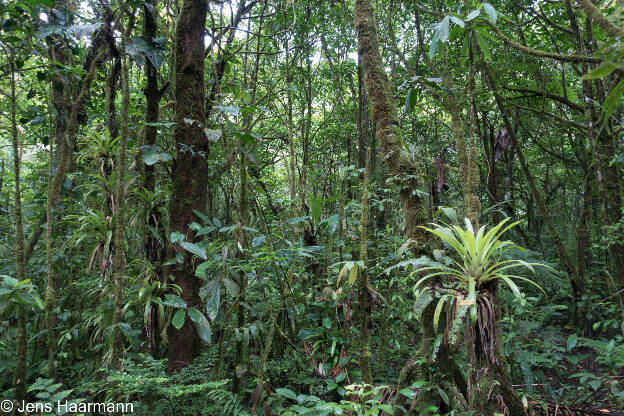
(50, 292)
(292, 173)
(20, 263)
(577, 284)
(154, 248)
(152, 93)
(363, 291)
(190, 170)
(473, 205)
(240, 354)
(65, 151)
(119, 259)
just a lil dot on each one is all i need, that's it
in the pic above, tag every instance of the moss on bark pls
(190, 171)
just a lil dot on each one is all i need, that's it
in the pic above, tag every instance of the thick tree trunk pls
(491, 391)
(190, 172)
(387, 133)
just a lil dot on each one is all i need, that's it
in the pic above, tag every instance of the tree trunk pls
(154, 249)
(119, 259)
(190, 170)
(20, 263)
(564, 256)
(387, 133)
(50, 292)
(363, 286)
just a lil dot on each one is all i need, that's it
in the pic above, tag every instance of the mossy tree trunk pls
(383, 114)
(50, 290)
(490, 390)
(603, 144)
(154, 249)
(119, 259)
(364, 300)
(443, 371)
(20, 263)
(190, 171)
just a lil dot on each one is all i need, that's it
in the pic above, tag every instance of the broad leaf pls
(211, 292)
(195, 249)
(490, 11)
(178, 318)
(203, 328)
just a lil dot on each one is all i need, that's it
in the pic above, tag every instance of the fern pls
(226, 402)
(601, 347)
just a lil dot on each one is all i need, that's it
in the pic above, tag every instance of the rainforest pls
(328, 207)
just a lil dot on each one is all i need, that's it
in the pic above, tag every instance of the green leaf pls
(258, 241)
(11, 281)
(341, 376)
(409, 393)
(353, 274)
(230, 286)
(316, 206)
(423, 300)
(601, 71)
(289, 394)
(230, 110)
(438, 310)
(212, 293)
(194, 314)
(443, 29)
(443, 396)
(200, 271)
(571, 342)
(203, 328)
(513, 288)
(174, 301)
(473, 15)
(152, 155)
(410, 101)
(332, 223)
(178, 318)
(327, 323)
(176, 237)
(198, 251)
(459, 22)
(483, 45)
(491, 12)
(139, 46)
(435, 43)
